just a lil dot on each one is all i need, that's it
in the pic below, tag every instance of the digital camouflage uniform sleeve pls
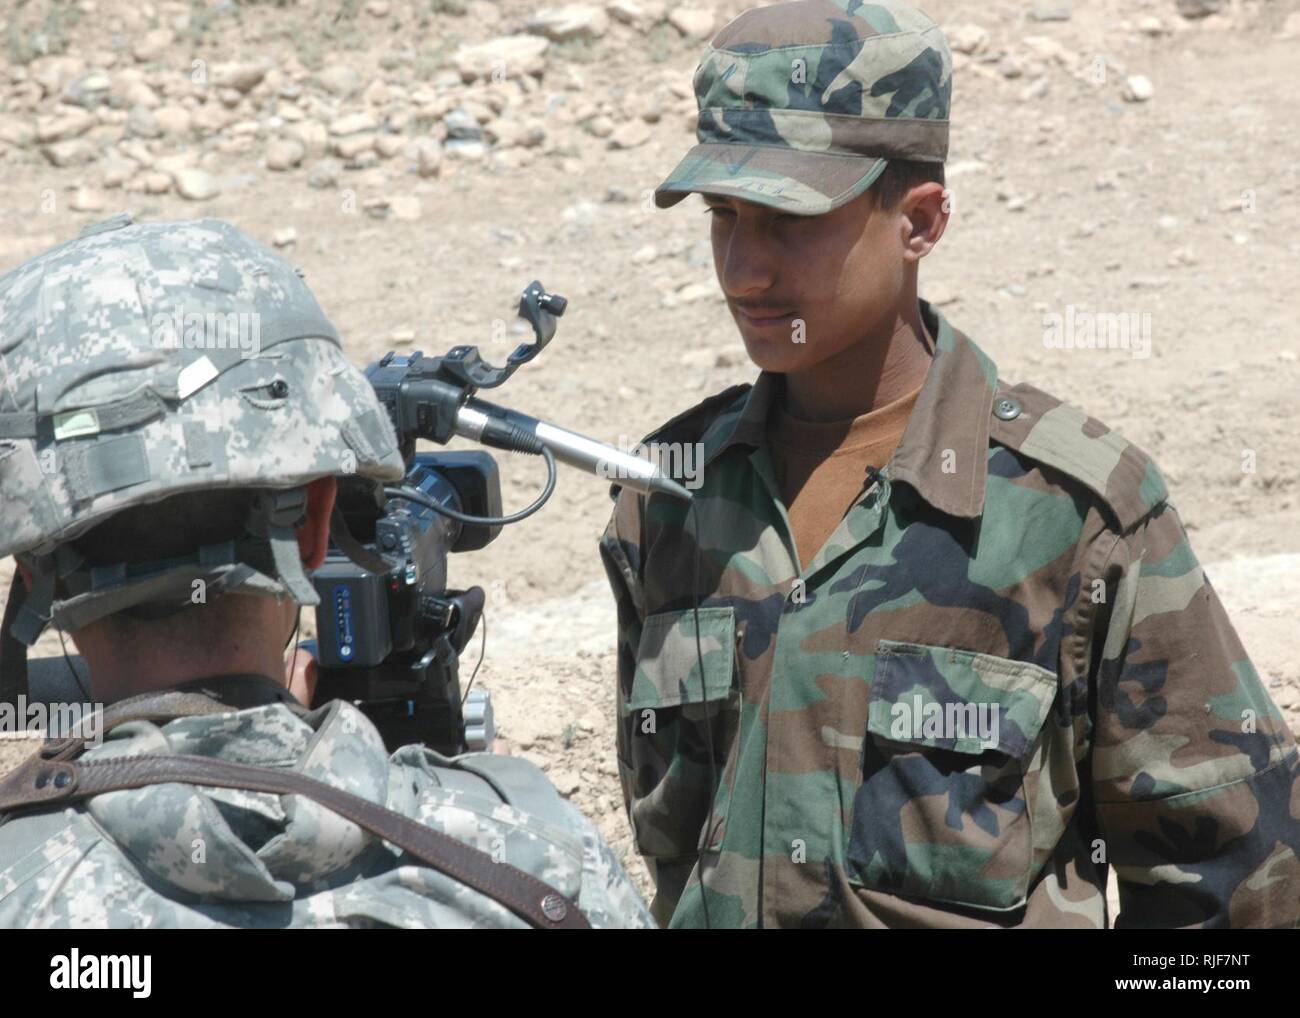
(1194, 772)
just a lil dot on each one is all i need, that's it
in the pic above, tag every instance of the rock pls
(313, 135)
(139, 93)
(117, 171)
(1291, 27)
(1192, 9)
(1138, 88)
(210, 118)
(195, 184)
(137, 152)
(1010, 66)
(967, 39)
(402, 337)
(352, 123)
(1036, 89)
(628, 12)
(692, 22)
(511, 158)
(630, 135)
(63, 126)
(406, 207)
(141, 123)
(508, 133)
(73, 152)
(1051, 12)
(428, 157)
(339, 80)
(614, 193)
(152, 45)
(1151, 25)
(86, 199)
(566, 782)
(465, 149)
(601, 126)
(324, 174)
(389, 145)
(240, 77)
(692, 292)
(460, 123)
(174, 121)
(572, 21)
(645, 254)
(377, 8)
(90, 90)
(16, 131)
(583, 213)
(508, 56)
(284, 154)
(155, 182)
(352, 146)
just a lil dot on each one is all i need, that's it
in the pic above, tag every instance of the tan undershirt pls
(821, 467)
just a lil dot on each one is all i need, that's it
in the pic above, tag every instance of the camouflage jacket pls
(179, 856)
(1003, 675)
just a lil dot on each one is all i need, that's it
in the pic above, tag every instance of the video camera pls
(390, 635)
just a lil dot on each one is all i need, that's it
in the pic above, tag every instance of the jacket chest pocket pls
(942, 812)
(683, 701)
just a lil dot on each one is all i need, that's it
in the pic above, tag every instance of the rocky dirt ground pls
(424, 159)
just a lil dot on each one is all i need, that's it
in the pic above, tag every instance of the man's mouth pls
(762, 315)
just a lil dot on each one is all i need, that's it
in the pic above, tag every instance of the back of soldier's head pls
(169, 391)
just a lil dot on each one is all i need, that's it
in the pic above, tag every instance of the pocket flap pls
(668, 660)
(958, 700)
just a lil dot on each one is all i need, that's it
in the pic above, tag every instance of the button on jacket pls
(1003, 677)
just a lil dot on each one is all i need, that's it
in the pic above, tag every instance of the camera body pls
(390, 643)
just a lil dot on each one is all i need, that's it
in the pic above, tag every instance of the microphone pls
(503, 428)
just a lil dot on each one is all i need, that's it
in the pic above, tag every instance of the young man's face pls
(804, 288)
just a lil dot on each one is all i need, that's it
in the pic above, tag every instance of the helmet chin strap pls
(13, 652)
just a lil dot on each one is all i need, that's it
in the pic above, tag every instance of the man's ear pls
(925, 208)
(314, 533)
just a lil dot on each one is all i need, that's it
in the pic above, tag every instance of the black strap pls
(53, 776)
(13, 652)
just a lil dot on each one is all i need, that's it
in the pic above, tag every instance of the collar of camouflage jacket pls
(234, 845)
(944, 450)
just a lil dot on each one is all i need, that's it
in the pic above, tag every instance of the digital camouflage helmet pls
(140, 361)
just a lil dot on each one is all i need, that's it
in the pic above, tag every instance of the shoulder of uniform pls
(691, 424)
(1062, 436)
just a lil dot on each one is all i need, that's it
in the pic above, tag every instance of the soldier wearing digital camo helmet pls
(174, 409)
(954, 661)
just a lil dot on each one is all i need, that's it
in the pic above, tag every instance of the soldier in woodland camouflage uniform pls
(1008, 555)
(120, 390)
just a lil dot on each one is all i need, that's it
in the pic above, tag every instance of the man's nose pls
(748, 259)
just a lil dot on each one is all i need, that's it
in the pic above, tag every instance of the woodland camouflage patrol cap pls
(140, 361)
(802, 103)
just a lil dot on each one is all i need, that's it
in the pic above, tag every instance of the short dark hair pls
(900, 176)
